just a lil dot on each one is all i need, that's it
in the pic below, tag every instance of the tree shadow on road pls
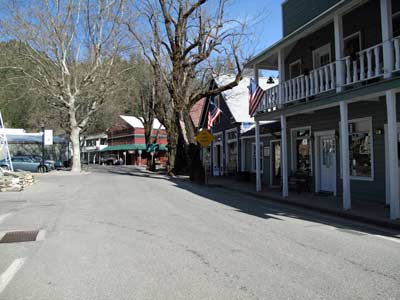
(264, 209)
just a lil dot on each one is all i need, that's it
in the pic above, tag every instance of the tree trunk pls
(172, 149)
(76, 158)
(189, 127)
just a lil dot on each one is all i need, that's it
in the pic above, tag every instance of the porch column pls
(387, 35)
(256, 74)
(284, 162)
(392, 155)
(344, 151)
(340, 76)
(242, 155)
(258, 158)
(281, 68)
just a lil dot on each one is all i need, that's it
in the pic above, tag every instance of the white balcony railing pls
(368, 64)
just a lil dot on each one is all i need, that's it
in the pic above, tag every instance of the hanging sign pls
(48, 137)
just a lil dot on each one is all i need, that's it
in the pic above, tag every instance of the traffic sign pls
(204, 138)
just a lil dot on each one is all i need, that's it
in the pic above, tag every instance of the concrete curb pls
(342, 214)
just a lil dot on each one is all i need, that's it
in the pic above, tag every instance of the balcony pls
(367, 64)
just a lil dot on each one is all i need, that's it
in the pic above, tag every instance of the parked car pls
(58, 165)
(48, 162)
(24, 163)
(110, 159)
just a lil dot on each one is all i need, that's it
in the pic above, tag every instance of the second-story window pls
(322, 56)
(295, 69)
(352, 45)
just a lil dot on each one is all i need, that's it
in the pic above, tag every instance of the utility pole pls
(42, 128)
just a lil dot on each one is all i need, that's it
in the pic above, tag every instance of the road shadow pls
(263, 208)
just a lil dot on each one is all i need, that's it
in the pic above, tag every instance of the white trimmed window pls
(322, 56)
(361, 148)
(301, 149)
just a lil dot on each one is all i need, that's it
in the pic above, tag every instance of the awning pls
(156, 147)
(127, 147)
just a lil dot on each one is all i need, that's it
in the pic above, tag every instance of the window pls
(232, 156)
(231, 149)
(90, 143)
(322, 56)
(295, 69)
(360, 143)
(231, 135)
(301, 141)
(352, 45)
(253, 157)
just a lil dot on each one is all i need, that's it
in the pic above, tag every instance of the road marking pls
(8, 275)
(41, 235)
(4, 216)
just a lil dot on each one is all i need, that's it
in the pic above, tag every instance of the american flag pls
(256, 94)
(213, 113)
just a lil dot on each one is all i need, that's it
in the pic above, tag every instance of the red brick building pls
(126, 140)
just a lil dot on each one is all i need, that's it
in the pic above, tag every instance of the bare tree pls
(188, 42)
(74, 45)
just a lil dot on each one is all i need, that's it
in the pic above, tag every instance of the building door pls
(276, 163)
(217, 160)
(327, 163)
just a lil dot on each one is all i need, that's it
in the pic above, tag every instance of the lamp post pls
(42, 128)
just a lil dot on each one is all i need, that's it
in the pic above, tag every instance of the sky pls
(266, 17)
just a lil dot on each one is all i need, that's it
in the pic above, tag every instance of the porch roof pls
(267, 59)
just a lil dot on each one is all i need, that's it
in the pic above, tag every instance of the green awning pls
(128, 147)
(125, 147)
(153, 147)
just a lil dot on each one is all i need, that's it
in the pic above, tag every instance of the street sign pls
(48, 137)
(204, 138)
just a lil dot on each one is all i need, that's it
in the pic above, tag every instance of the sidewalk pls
(373, 213)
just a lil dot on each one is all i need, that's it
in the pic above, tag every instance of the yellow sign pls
(204, 138)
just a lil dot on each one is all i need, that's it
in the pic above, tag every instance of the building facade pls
(339, 65)
(126, 141)
(224, 156)
(92, 146)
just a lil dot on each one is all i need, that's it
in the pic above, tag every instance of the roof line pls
(254, 60)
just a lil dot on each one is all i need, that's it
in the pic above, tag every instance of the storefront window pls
(302, 151)
(232, 156)
(360, 142)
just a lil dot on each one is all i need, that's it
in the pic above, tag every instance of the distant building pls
(126, 140)
(92, 145)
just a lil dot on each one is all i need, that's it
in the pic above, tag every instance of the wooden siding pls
(367, 20)
(303, 49)
(296, 13)
(364, 19)
(329, 119)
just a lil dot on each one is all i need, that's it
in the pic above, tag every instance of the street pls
(111, 235)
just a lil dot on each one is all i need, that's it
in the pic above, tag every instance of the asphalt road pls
(115, 236)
